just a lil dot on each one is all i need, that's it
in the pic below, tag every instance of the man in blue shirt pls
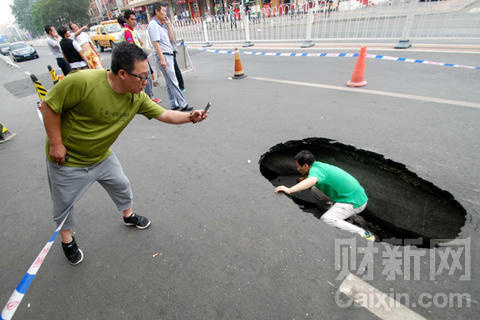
(161, 35)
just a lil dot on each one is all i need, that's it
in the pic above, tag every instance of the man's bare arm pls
(65, 57)
(158, 49)
(171, 35)
(80, 30)
(52, 123)
(177, 117)
(303, 185)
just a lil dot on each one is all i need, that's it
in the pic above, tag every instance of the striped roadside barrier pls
(42, 92)
(18, 294)
(53, 75)
(333, 55)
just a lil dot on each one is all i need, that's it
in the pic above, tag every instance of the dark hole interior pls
(403, 209)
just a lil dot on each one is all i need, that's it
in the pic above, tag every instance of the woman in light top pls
(82, 38)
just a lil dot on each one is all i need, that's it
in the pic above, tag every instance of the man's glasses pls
(142, 78)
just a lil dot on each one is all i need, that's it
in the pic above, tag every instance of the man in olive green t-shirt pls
(83, 116)
(345, 191)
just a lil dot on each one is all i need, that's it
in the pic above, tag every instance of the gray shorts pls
(68, 184)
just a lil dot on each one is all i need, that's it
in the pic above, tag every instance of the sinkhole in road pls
(403, 209)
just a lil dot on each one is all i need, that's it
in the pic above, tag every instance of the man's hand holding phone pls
(205, 111)
(199, 115)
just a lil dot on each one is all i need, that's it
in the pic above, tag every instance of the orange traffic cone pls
(358, 76)
(238, 67)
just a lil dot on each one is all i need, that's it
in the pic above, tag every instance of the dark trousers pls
(178, 73)
(64, 66)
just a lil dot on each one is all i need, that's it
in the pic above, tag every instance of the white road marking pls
(375, 301)
(471, 201)
(375, 92)
(9, 61)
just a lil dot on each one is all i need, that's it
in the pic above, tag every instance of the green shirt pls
(337, 184)
(93, 115)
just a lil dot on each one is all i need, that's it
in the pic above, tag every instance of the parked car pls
(93, 30)
(22, 51)
(107, 34)
(5, 49)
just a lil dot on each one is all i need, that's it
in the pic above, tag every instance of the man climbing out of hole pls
(346, 193)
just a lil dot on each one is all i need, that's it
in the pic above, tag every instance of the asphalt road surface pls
(222, 245)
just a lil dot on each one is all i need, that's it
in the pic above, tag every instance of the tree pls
(58, 12)
(21, 9)
(32, 16)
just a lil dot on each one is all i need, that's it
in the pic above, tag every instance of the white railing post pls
(206, 44)
(404, 43)
(246, 24)
(308, 37)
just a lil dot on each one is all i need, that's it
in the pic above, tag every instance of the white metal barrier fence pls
(346, 20)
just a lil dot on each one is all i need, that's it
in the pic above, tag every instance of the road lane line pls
(375, 92)
(9, 61)
(375, 301)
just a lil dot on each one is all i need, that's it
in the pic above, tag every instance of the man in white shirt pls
(53, 41)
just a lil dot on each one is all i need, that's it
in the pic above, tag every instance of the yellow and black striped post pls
(42, 92)
(53, 75)
(5, 135)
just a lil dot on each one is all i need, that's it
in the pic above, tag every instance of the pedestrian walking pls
(231, 16)
(161, 36)
(83, 116)
(330, 8)
(345, 192)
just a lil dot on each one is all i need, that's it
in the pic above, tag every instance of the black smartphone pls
(206, 108)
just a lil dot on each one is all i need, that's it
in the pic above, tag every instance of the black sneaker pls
(186, 108)
(138, 221)
(7, 135)
(72, 252)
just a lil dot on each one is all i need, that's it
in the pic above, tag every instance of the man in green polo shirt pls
(345, 191)
(83, 116)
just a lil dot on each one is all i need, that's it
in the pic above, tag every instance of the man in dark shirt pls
(71, 50)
